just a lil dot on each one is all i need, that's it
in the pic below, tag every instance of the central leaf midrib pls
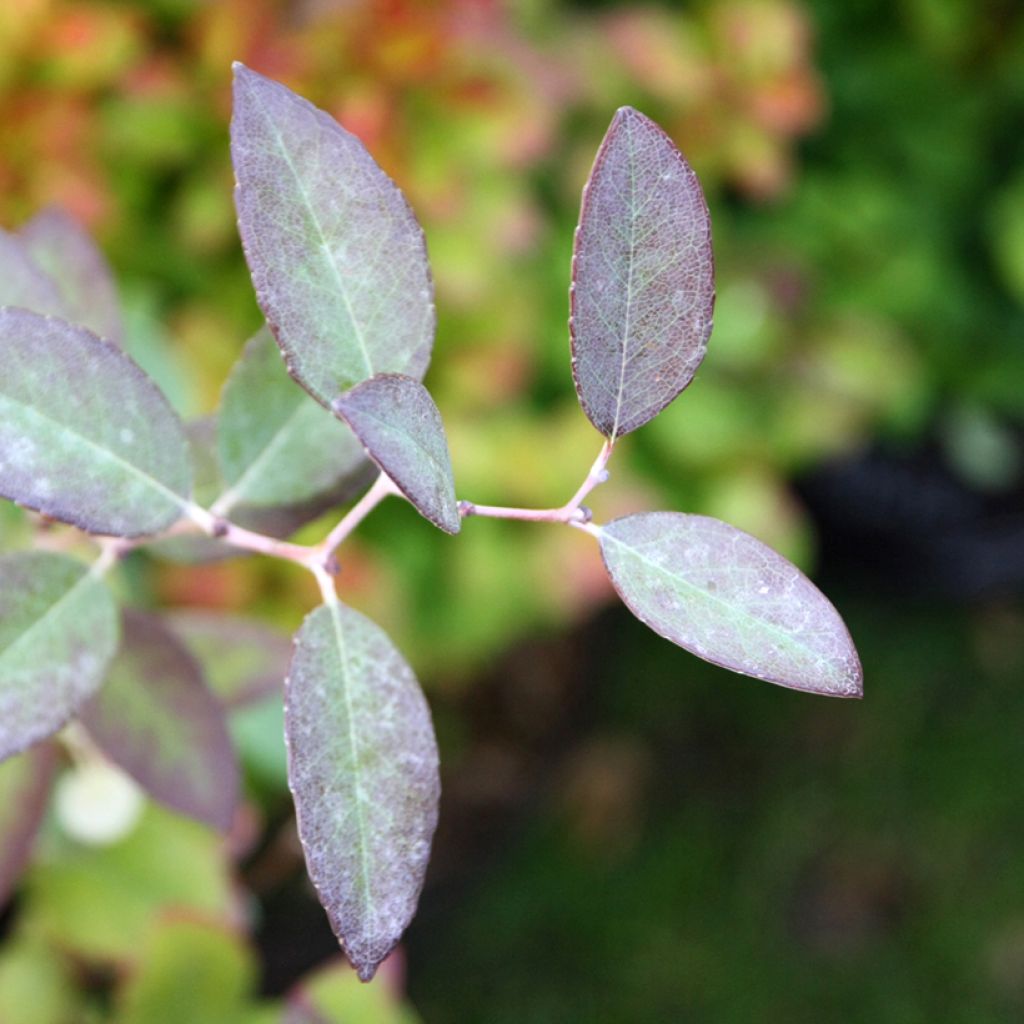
(629, 290)
(237, 490)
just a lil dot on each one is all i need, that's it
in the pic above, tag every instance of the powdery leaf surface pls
(85, 436)
(643, 277)
(731, 600)
(276, 445)
(65, 250)
(156, 718)
(337, 258)
(401, 429)
(24, 283)
(25, 783)
(363, 768)
(58, 633)
(243, 660)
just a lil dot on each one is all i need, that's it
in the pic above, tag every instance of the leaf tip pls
(366, 969)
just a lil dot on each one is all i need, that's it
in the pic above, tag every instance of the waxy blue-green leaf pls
(643, 277)
(731, 600)
(25, 783)
(24, 283)
(64, 249)
(363, 769)
(276, 445)
(85, 436)
(58, 633)
(337, 258)
(157, 719)
(399, 425)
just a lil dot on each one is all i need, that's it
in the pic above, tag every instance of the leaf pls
(85, 436)
(37, 985)
(337, 259)
(333, 994)
(23, 282)
(276, 445)
(58, 633)
(363, 768)
(194, 970)
(25, 783)
(156, 718)
(731, 600)
(399, 425)
(65, 251)
(243, 660)
(643, 278)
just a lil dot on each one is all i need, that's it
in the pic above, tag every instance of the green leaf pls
(363, 768)
(58, 633)
(337, 259)
(156, 718)
(399, 425)
(731, 600)
(643, 277)
(25, 783)
(276, 445)
(24, 283)
(334, 995)
(65, 251)
(36, 985)
(194, 971)
(85, 436)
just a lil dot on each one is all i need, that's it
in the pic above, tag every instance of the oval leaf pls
(731, 600)
(64, 249)
(85, 436)
(23, 282)
(24, 788)
(276, 445)
(58, 633)
(401, 429)
(337, 258)
(156, 718)
(643, 278)
(363, 768)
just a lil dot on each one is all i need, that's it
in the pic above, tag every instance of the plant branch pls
(382, 487)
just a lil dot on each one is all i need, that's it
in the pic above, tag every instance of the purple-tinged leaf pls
(85, 436)
(157, 719)
(64, 249)
(337, 258)
(643, 278)
(243, 660)
(399, 425)
(731, 600)
(58, 634)
(25, 783)
(24, 283)
(277, 446)
(363, 769)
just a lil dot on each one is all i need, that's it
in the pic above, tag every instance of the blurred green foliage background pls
(627, 834)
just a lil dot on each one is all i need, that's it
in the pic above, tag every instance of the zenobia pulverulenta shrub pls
(340, 270)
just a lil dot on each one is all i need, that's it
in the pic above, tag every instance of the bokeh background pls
(627, 834)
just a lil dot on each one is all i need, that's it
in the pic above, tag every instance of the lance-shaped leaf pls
(23, 282)
(643, 278)
(64, 249)
(24, 787)
(731, 600)
(337, 258)
(157, 719)
(85, 436)
(277, 446)
(401, 429)
(243, 660)
(58, 633)
(363, 768)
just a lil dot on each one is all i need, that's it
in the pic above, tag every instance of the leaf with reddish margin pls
(363, 769)
(85, 435)
(243, 660)
(643, 278)
(23, 283)
(157, 719)
(399, 425)
(731, 600)
(58, 633)
(66, 251)
(25, 783)
(337, 258)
